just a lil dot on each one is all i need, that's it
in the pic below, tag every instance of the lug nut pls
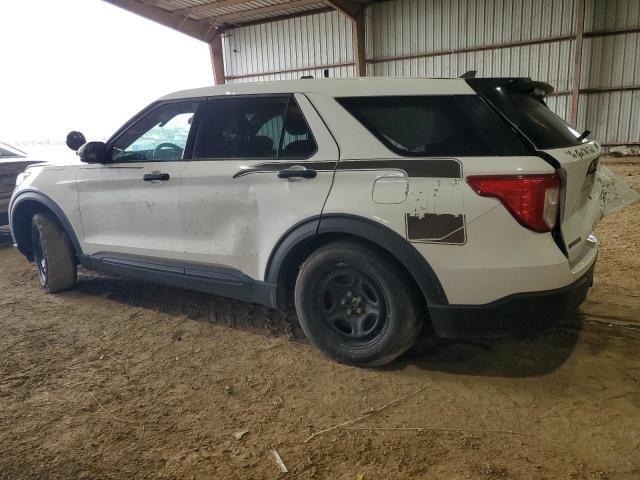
(349, 294)
(359, 310)
(343, 301)
(349, 312)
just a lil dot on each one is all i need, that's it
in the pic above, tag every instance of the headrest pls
(295, 124)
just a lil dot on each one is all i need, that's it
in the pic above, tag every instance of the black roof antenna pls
(469, 74)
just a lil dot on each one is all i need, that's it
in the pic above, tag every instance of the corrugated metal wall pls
(611, 62)
(290, 48)
(433, 27)
(445, 38)
(428, 29)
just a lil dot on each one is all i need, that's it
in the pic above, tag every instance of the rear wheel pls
(53, 254)
(356, 306)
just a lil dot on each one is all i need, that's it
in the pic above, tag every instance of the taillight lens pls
(531, 199)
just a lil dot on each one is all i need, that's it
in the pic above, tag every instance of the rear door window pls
(269, 127)
(442, 125)
(297, 140)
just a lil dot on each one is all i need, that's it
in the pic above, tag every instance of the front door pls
(261, 164)
(131, 204)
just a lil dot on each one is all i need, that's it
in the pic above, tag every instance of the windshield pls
(534, 119)
(9, 152)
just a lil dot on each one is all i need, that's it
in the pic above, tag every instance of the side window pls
(253, 127)
(297, 140)
(444, 125)
(241, 128)
(161, 135)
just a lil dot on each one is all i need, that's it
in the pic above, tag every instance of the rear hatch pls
(581, 201)
(575, 157)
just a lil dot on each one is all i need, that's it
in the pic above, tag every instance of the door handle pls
(297, 171)
(149, 177)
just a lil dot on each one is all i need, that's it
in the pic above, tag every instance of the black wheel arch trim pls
(46, 201)
(401, 249)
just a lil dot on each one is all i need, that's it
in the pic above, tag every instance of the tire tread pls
(404, 298)
(58, 252)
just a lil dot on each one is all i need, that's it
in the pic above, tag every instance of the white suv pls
(372, 205)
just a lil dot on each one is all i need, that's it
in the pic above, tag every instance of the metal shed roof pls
(203, 18)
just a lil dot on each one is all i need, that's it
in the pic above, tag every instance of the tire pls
(53, 254)
(356, 306)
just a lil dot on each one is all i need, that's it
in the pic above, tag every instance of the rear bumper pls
(523, 313)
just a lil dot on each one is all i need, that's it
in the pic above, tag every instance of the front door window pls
(161, 135)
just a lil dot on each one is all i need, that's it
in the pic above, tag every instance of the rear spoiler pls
(539, 90)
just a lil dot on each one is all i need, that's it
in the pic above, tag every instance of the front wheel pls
(356, 306)
(53, 254)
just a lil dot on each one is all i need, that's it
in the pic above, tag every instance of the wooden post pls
(577, 66)
(354, 11)
(359, 46)
(217, 59)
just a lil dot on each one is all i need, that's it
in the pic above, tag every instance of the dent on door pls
(234, 211)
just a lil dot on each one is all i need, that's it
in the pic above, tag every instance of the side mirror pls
(93, 152)
(75, 140)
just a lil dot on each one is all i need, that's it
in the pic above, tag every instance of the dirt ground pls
(120, 379)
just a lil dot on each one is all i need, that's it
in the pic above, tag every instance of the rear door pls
(261, 164)
(131, 204)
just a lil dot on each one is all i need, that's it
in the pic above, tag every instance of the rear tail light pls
(531, 199)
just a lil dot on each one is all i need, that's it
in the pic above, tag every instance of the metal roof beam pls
(197, 29)
(350, 8)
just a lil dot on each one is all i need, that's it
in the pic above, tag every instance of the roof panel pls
(206, 11)
(201, 18)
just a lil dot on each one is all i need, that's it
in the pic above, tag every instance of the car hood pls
(18, 164)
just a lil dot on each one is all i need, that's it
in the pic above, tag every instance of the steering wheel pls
(167, 151)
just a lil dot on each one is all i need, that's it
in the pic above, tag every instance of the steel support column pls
(217, 58)
(359, 45)
(577, 66)
(354, 11)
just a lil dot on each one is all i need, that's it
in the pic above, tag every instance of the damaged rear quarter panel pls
(438, 205)
(460, 234)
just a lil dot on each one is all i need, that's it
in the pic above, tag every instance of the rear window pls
(533, 118)
(442, 125)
